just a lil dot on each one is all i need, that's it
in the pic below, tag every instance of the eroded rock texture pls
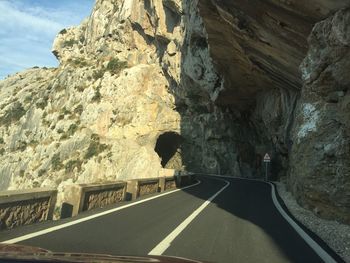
(298, 115)
(320, 161)
(207, 86)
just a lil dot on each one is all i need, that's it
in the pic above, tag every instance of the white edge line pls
(312, 243)
(166, 242)
(84, 219)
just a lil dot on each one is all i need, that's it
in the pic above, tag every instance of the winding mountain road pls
(216, 220)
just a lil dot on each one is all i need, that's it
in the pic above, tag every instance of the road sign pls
(267, 158)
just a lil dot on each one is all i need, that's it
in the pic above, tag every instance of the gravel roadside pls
(336, 235)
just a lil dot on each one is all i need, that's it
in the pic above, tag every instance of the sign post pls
(267, 160)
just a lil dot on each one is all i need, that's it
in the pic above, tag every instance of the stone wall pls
(146, 188)
(13, 215)
(101, 198)
(82, 197)
(170, 184)
(19, 208)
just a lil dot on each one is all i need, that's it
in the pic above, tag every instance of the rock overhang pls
(259, 45)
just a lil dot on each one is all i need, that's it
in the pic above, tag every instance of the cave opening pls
(167, 145)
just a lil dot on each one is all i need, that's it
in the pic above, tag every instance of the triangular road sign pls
(267, 158)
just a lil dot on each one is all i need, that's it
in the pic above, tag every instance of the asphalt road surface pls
(241, 224)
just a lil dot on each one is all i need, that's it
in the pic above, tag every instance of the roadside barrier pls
(24, 207)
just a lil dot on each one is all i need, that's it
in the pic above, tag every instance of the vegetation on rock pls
(114, 66)
(14, 114)
(56, 162)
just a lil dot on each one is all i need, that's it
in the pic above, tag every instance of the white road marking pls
(166, 242)
(312, 243)
(81, 220)
(315, 246)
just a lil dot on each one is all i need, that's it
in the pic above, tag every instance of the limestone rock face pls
(220, 80)
(95, 118)
(320, 161)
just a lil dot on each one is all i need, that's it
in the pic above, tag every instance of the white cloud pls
(12, 19)
(27, 32)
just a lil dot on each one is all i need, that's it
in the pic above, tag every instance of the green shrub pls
(46, 122)
(2, 151)
(79, 109)
(42, 103)
(21, 145)
(33, 143)
(97, 74)
(28, 99)
(13, 115)
(21, 173)
(56, 162)
(60, 131)
(41, 172)
(63, 113)
(64, 136)
(72, 129)
(69, 43)
(72, 164)
(2, 140)
(95, 147)
(80, 88)
(63, 31)
(115, 66)
(78, 62)
(97, 96)
(95, 137)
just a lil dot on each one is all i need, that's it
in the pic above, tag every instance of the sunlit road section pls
(218, 220)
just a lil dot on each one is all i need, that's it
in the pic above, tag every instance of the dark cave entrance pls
(167, 145)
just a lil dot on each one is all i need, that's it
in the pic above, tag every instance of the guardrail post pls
(52, 204)
(72, 201)
(177, 176)
(161, 184)
(132, 190)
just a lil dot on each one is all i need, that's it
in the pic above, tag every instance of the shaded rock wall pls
(320, 159)
(299, 116)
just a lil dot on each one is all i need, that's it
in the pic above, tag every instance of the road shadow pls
(250, 202)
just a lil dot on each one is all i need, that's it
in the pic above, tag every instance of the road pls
(240, 225)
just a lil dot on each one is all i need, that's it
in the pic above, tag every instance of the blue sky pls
(28, 28)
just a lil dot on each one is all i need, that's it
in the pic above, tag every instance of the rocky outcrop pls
(207, 86)
(320, 160)
(298, 115)
(95, 118)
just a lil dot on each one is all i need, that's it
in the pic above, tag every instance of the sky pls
(28, 29)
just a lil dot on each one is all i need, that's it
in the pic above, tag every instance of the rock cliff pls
(199, 85)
